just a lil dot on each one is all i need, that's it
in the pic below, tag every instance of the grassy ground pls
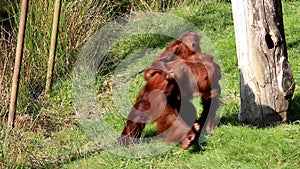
(232, 145)
(53, 138)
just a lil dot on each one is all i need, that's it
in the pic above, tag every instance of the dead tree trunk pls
(266, 81)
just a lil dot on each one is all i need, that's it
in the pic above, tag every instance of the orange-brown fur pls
(171, 126)
(181, 72)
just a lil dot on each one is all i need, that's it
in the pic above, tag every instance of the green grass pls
(48, 133)
(229, 147)
(232, 144)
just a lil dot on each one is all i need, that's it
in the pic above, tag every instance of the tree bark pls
(266, 81)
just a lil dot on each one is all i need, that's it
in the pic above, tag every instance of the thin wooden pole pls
(53, 45)
(17, 68)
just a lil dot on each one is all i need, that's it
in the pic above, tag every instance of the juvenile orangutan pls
(159, 102)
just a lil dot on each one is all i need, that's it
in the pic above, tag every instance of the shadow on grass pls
(230, 119)
(294, 44)
(294, 115)
(295, 109)
(149, 133)
(195, 147)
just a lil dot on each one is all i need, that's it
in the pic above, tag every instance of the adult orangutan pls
(180, 73)
(187, 49)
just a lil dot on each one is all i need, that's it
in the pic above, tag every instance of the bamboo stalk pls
(52, 53)
(17, 67)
